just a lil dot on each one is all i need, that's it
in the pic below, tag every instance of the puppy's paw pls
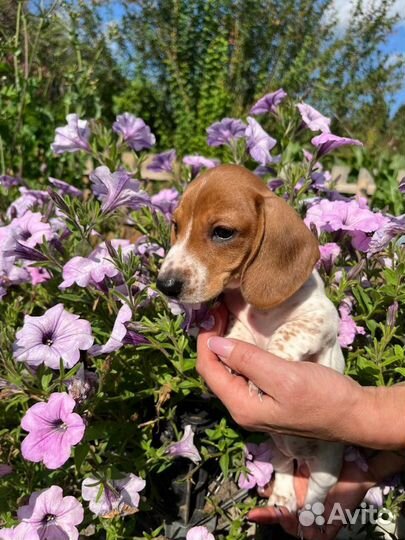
(288, 501)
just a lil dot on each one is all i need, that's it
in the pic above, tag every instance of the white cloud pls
(344, 7)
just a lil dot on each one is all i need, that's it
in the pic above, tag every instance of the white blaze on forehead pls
(186, 266)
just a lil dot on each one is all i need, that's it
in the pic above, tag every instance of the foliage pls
(137, 397)
(202, 52)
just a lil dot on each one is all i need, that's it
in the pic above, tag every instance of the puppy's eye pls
(222, 234)
(175, 227)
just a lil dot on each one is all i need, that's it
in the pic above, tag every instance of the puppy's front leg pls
(283, 493)
(301, 339)
(324, 470)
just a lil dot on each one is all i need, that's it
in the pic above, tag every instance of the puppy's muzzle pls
(170, 286)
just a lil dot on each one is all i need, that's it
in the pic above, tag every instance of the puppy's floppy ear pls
(283, 255)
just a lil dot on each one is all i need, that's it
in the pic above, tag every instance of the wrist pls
(378, 418)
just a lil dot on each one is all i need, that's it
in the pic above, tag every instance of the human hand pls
(348, 493)
(299, 398)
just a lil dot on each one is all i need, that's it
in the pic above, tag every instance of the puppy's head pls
(231, 230)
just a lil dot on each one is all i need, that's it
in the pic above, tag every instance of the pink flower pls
(51, 515)
(358, 221)
(29, 229)
(54, 336)
(38, 275)
(119, 498)
(199, 533)
(53, 429)
(313, 119)
(119, 331)
(329, 253)
(23, 531)
(259, 467)
(348, 328)
(185, 447)
(93, 269)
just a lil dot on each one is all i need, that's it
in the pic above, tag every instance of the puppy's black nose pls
(170, 287)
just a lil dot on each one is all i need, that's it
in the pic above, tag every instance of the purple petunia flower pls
(93, 269)
(23, 531)
(66, 189)
(269, 103)
(134, 131)
(185, 447)
(53, 429)
(72, 137)
(145, 248)
(117, 189)
(392, 314)
(375, 495)
(384, 234)
(401, 186)
(52, 515)
(9, 181)
(29, 199)
(199, 533)
(166, 201)
(327, 142)
(119, 498)
(258, 463)
(225, 132)
(259, 142)
(329, 253)
(313, 119)
(348, 329)
(196, 316)
(197, 163)
(163, 162)
(56, 335)
(119, 331)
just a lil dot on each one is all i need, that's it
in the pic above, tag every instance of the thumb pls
(264, 369)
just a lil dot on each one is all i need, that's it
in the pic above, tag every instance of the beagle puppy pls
(232, 235)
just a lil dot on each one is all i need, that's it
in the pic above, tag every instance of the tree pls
(211, 58)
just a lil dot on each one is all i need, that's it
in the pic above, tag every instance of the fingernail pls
(221, 346)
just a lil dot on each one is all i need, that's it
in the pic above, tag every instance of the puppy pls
(232, 235)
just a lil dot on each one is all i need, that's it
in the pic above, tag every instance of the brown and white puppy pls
(232, 235)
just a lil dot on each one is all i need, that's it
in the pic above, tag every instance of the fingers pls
(270, 515)
(301, 478)
(264, 369)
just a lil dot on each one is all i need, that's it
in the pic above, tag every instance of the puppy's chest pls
(250, 325)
